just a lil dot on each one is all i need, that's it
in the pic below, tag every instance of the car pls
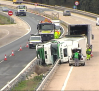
(66, 13)
(34, 40)
(5, 9)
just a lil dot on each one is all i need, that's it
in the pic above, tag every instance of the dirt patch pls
(41, 69)
(2, 33)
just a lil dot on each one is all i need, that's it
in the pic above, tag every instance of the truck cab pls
(48, 52)
(64, 51)
(46, 29)
(34, 40)
(21, 10)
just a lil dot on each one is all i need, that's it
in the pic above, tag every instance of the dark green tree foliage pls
(94, 6)
(89, 5)
(86, 5)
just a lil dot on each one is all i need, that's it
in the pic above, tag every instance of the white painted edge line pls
(8, 84)
(6, 35)
(23, 35)
(65, 83)
(74, 15)
(63, 32)
(1, 61)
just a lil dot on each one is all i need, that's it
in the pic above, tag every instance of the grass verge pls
(4, 20)
(28, 85)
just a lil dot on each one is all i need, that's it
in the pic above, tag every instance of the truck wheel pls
(16, 14)
(59, 61)
(83, 64)
(29, 47)
(69, 64)
(24, 14)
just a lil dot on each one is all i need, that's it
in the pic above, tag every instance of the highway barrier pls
(46, 78)
(30, 67)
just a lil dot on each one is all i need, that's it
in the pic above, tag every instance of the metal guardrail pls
(62, 8)
(47, 77)
(29, 69)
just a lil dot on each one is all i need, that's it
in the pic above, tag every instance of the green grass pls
(28, 85)
(4, 20)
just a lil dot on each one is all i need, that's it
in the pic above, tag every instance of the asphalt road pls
(10, 68)
(78, 78)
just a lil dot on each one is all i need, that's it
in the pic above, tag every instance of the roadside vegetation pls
(4, 20)
(31, 82)
(85, 5)
(28, 85)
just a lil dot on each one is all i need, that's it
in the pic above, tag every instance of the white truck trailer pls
(66, 44)
(57, 25)
(81, 29)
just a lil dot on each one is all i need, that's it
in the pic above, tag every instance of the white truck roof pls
(56, 22)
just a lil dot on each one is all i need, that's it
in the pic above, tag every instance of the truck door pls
(64, 54)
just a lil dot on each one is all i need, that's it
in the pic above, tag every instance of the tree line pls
(85, 5)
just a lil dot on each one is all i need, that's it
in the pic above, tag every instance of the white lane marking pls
(1, 61)
(35, 19)
(6, 35)
(77, 16)
(23, 35)
(38, 20)
(65, 83)
(97, 28)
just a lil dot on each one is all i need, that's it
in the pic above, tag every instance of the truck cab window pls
(65, 52)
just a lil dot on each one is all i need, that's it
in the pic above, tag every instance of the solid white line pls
(6, 35)
(21, 36)
(65, 83)
(1, 61)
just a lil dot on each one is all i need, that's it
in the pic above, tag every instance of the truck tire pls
(24, 14)
(29, 47)
(70, 64)
(83, 64)
(16, 14)
(59, 62)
